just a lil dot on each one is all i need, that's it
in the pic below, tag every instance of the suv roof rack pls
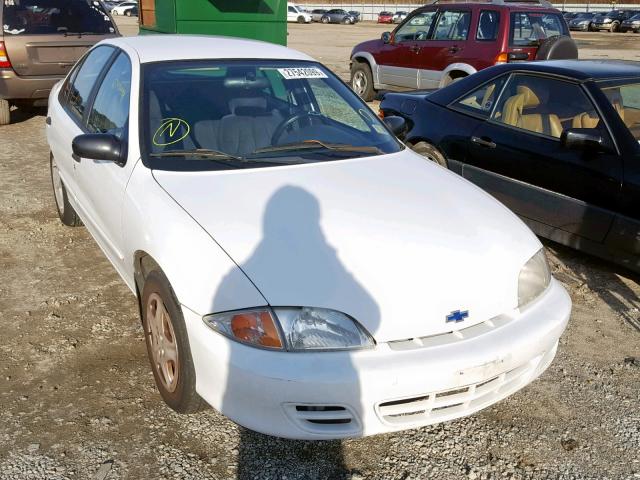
(541, 3)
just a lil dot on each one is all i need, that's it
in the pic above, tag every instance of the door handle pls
(75, 157)
(454, 49)
(482, 142)
(414, 49)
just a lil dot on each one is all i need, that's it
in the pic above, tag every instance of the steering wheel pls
(291, 120)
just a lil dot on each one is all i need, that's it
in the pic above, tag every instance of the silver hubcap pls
(162, 340)
(359, 82)
(57, 186)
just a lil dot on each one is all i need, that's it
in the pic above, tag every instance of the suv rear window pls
(33, 17)
(529, 28)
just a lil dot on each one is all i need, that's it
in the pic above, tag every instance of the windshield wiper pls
(198, 153)
(315, 144)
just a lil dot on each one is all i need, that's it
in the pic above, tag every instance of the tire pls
(430, 153)
(347, 21)
(615, 27)
(300, 19)
(324, 20)
(591, 28)
(362, 81)
(559, 47)
(5, 112)
(66, 213)
(165, 330)
(128, 13)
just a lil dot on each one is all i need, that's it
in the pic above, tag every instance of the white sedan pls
(122, 8)
(297, 267)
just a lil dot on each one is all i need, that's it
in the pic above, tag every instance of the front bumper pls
(580, 28)
(15, 87)
(393, 387)
(601, 26)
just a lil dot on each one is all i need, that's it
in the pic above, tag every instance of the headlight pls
(293, 329)
(606, 20)
(534, 279)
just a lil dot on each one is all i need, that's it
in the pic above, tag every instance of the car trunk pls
(37, 55)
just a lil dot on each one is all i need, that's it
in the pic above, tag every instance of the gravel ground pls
(77, 398)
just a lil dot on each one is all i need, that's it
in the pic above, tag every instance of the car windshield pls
(528, 29)
(33, 17)
(626, 101)
(213, 114)
(635, 17)
(584, 15)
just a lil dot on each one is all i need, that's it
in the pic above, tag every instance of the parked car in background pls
(569, 15)
(296, 14)
(612, 20)
(557, 142)
(109, 5)
(337, 15)
(438, 44)
(355, 14)
(40, 42)
(227, 318)
(131, 12)
(385, 17)
(631, 24)
(399, 16)
(316, 15)
(581, 21)
(121, 8)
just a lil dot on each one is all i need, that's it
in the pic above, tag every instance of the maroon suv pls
(440, 43)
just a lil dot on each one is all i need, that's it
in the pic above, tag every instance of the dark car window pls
(416, 28)
(110, 110)
(488, 22)
(626, 101)
(453, 25)
(85, 79)
(482, 100)
(529, 28)
(545, 106)
(33, 17)
(263, 112)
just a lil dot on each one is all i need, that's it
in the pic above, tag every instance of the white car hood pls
(394, 241)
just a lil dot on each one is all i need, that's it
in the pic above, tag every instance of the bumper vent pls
(448, 404)
(324, 419)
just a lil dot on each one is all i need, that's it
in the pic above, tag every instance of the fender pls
(372, 63)
(461, 67)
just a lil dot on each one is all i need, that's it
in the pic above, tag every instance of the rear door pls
(517, 155)
(398, 64)
(445, 46)
(47, 37)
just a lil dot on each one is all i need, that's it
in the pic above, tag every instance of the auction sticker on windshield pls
(295, 73)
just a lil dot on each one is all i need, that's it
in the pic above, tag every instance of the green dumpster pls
(256, 19)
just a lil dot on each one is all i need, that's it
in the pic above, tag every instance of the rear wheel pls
(5, 112)
(430, 152)
(67, 214)
(168, 345)
(362, 81)
(324, 20)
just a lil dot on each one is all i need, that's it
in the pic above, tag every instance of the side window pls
(110, 110)
(488, 25)
(417, 28)
(482, 100)
(545, 106)
(527, 29)
(85, 79)
(292, 10)
(626, 101)
(453, 25)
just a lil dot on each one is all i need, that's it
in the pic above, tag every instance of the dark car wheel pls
(615, 26)
(5, 112)
(128, 13)
(430, 152)
(362, 81)
(324, 20)
(168, 345)
(591, 28)
(300, 19)
(347, 21)
(67, 214)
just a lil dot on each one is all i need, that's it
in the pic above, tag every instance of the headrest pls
(248, 105)
(246, 83)
(530, 99)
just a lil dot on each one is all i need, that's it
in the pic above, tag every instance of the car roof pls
(580, 70)
(164, 47)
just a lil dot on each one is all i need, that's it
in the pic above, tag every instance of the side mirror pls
(386, 37)
(100, 146)
(583, 139)
(397, 125)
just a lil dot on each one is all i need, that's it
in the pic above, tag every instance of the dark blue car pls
(557, 142)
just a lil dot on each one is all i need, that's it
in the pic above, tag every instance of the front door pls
(518, 156)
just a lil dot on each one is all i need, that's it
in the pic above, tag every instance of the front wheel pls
(128, 13)
(300, 19)
(430, 152)
(615, 27)
(168, 345)
(324, 20)
(5, 112)
(362, 81)
(67, 214)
